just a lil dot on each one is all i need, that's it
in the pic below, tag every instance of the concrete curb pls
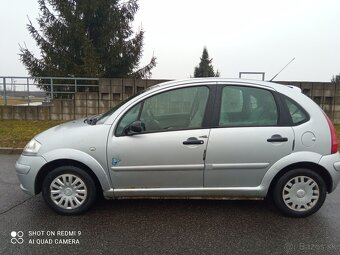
(4, 150)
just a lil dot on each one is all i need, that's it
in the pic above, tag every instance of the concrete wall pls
(81, 104)
(113, 91)
(11, 112)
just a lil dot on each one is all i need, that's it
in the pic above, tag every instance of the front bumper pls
(332, 164)
(27, 168)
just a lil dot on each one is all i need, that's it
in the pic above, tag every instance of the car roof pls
(247, 82)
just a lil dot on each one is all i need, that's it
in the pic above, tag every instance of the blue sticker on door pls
(115, 161)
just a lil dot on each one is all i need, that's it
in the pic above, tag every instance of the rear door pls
(248, 137)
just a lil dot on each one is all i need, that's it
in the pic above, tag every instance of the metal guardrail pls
(53, 87)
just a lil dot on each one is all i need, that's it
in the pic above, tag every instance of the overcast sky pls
(241, 35)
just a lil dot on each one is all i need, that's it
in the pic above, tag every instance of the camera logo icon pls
(17, 237)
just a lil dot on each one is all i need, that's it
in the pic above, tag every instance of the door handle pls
(277, 138)
(193, 140)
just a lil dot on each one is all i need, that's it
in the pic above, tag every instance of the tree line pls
(86, 38)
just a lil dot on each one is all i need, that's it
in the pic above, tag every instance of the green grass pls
(17, 133)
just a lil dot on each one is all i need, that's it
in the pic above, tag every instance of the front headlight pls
(32, 147)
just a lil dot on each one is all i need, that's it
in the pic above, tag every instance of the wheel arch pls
(308, 165)
(63, 162)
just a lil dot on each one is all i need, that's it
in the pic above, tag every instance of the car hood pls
(61, 130)
(75, 135)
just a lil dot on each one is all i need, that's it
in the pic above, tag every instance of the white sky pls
(241, 35)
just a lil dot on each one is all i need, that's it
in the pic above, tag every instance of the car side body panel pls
(235, 160)
(157, 160)
(259, 191)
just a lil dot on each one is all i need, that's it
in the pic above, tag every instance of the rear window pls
(297, 114)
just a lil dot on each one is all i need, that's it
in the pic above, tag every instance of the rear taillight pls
(334, 147)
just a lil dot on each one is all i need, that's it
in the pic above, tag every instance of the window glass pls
(246, 106)
(176, 109)
(128, 118)
(295, 111)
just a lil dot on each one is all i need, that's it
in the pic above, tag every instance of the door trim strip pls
(193, 167)
(237, 166)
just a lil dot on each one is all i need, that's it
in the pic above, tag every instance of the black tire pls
(86, 183)
(298, 185)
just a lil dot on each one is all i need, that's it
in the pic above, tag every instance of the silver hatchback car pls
(197, 138)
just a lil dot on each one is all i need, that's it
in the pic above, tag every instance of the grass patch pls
(17, 133)
(18, 101)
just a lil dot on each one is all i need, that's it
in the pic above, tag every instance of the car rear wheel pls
(299, 193)
(69, 190)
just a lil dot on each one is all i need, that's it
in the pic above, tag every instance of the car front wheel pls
(299, 193)
(69, 190)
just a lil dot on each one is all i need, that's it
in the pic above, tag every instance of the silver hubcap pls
(301, 193)
(68, 191)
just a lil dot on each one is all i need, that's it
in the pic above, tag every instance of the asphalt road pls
(161, 226)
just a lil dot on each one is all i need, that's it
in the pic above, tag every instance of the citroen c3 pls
(197, 138)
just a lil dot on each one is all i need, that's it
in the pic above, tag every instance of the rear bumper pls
(332, 164)
(27, 168)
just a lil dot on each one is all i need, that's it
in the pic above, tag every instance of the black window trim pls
(208, 114)
(289, 120)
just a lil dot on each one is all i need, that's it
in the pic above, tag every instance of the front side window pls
(247, 106)
(172, 110)
(128, 118)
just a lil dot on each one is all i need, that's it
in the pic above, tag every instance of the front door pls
(169, 152)
(248, 138)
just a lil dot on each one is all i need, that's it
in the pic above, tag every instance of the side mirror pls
(135, 128)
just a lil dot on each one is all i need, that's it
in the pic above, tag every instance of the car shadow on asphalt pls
(215, 206)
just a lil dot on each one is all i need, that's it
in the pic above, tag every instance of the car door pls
(169, 152)
(248, 138)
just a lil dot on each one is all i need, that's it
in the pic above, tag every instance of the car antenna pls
(282, 69)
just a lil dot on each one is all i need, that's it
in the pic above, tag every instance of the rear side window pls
(296, 112)
(247, 106)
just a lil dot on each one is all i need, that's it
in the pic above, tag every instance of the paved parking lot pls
(161, 226)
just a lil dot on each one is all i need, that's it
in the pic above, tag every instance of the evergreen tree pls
(205, 68)
(335, 79)
(86, 38)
